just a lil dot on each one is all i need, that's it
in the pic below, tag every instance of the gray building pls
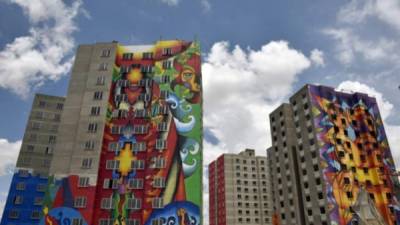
(41, 134)
(84, 116)
(238, 189)
(329, 147)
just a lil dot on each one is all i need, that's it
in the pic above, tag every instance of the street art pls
(355, 154)
(155, 122)
(151, 159)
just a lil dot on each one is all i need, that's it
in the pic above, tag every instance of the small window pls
(134, 203)
(95, 111)
(35, 215)
(135, 183)
(157, 203)
(98, 95)
(112, 164)
(18, 200)
(87, 163)
(83, 182)
(147, 55)
(127, 56)
(92, 127)
(167, 51)
(100, 80)
(107, 203)
(77, 221)
(105, 53)
(89, 145)
(137, 164)
(103, 66)
(80, 202)
(20, 186)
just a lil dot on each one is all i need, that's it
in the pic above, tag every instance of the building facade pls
(129, 148)
(29, 182)
(335, 147)
(238, 190)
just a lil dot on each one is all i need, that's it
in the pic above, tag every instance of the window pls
(158, 163)
(13, 214)
(77, 221)
(147, 69)
(100, 80)
(103, 66)
(157, 203)
(158, 222)
(349, 194)
(80, 202)
(23, 173)
(121, 98)
(116, 129)
(165, 79)
(132, 222)
(92, 127)
(105, 53)
(161, 144)
(125, 69)
(112, 164)
(134, 203)
(113, 147)
(20, 186)
(41, 187)
(89, 145)
(167, 64)
(35, 215)
(42, 104)
(35, 126)
(167, 51)
(106, 222)
(164, 94)
(145, 82)
(107, 203)
(139, 146)
(135, 183)
(147, 55)
(18, 200)
(95, 111)
(83, 182)
(38, 201)
(163, 126)
(140, 113)
(137, 164)
(98, 95)
(159, 182)
(87, 163)
(140, 129)
(127, 56)
(52, 139)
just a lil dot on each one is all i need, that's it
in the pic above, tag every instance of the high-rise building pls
(28, 186)
(129, 147)
(330, 161)
(238, 190)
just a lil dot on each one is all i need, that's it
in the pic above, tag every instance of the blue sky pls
(255, 54)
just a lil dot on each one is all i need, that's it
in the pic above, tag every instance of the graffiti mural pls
(355, 154)
(151, 157)
(150, 169)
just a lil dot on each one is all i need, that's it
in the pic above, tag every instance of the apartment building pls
(238, 189)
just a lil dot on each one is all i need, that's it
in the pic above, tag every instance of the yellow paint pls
(134, 76)
(125, 159)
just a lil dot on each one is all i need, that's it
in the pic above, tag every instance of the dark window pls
(349, 194)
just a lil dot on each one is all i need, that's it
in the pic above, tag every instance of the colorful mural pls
(154, 134)
(150, 169)
(355, 154)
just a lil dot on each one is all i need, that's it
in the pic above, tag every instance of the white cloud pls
(357, 11)
(170, 2)
(349, 45)
(241, 88)
(8, 155)
(44, 54)
(317, 57)
(206, 5)
(385, 108)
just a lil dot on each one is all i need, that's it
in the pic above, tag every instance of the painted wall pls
(28, 195)
(355, 153)
(174, 68)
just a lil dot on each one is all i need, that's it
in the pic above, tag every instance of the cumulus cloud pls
(241, 87)
(349, 45)
(8, 155)
(44, 54)
(317, 57)
(385, 108)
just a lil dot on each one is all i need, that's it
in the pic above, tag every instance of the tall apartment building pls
(330, 161)
(129, 148)
(29, 182)
(238, 190)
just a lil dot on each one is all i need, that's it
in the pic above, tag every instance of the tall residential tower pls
(129, 148)
(330, 161)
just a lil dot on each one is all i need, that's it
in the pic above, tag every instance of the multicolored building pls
(335, 145)
(129, 148)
